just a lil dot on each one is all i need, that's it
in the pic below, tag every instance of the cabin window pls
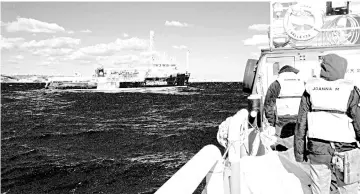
(282, 61)
(276, 68)
(273, 66)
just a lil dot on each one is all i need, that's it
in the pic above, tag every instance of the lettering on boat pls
(353, 71)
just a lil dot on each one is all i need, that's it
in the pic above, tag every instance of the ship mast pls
(151, 46)
(187, 60)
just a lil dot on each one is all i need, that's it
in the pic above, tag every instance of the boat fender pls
(249, 75)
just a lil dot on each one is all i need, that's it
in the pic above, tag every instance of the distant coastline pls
(45, 78)
(24, 78)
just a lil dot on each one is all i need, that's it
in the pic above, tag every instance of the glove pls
(270, 130)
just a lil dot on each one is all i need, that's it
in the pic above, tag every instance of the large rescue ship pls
(299, 35)
(161, 71)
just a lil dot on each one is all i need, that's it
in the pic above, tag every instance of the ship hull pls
(180, 79)
(176, 80)
(173, 80)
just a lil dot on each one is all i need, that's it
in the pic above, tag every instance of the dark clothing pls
(270, 102)
(317, 150)
(272, 94)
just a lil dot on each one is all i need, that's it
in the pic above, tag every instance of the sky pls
(62, 38)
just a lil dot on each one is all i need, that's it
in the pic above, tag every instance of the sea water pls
(63, 141)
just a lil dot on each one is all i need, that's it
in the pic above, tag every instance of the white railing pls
(207, 162)
(220, 179)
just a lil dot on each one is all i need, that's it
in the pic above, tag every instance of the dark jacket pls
(320, 151)
(272, 94)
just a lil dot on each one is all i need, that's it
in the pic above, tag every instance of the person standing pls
(328, 124)
(282, 102)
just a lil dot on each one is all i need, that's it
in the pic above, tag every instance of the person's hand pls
(270, 130)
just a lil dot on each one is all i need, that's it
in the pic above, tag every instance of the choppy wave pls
(97, 142)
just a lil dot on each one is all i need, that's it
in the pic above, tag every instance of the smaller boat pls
(71, 82)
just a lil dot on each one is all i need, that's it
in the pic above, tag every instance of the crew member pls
(329, 122)
(282, 102)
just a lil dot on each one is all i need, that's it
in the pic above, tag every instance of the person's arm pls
(272, 93)
(301, 128)
(354, 111)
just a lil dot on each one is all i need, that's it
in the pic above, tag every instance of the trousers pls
(321, 180)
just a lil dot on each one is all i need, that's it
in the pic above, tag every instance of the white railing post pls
(188, 178)
(237, 136)
(215, 179)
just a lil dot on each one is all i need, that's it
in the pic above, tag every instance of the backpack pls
(356, 110)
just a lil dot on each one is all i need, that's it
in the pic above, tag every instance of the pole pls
(187, 60)
(237, 131)
(151, 41)
(270, 27)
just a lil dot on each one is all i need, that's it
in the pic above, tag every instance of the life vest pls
(328, 120)
(292, 88)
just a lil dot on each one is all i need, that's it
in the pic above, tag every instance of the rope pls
(339, 37)
(332, 34)
(256, 127)
(231, 143)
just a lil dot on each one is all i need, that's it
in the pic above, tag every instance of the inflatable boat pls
(247, 163)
